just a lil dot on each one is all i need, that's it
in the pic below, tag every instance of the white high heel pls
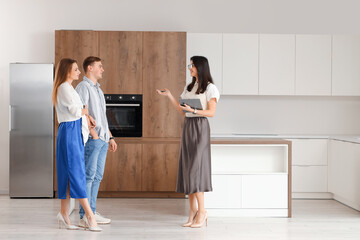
(61, 221)
(94, 229)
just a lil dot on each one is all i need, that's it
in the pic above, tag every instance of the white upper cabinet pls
(210, 46)
(346, 66)
(313, 65)
(277, 64)
(241, 64)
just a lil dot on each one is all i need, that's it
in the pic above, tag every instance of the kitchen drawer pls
(309, 152)
(309, 179)
(226, 192)
(265, 191)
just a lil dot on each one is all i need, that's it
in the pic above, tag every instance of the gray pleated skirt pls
(194, 174)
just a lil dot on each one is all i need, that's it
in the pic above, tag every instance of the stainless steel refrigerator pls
(31, 130)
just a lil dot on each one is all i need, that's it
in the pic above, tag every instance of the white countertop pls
(346, 138)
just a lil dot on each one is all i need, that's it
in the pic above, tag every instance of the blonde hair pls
(62, 70)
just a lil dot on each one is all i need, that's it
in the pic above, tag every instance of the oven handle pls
(123, 105)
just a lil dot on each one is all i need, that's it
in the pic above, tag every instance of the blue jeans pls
(95, 156)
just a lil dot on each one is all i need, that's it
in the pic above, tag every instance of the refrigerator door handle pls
(10, 118)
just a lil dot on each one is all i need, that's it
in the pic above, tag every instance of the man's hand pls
(112, 145)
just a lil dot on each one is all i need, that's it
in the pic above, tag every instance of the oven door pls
(125, 119)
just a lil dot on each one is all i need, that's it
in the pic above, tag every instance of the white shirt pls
(210, 92)
(69, 107)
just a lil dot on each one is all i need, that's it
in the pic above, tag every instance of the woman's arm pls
(175, 103)
(209, 112)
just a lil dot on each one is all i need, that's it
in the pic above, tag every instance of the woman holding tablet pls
(194, 173)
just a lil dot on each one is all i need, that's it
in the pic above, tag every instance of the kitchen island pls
(251, 177)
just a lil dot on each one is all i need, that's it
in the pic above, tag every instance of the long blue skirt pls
(70, 162)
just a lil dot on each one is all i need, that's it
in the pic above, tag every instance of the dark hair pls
(89, 61)
(61, 73)
(203, 72)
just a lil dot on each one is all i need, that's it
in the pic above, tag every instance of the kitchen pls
(279, 111)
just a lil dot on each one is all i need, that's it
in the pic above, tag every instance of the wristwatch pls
(194, 111)
(112, 138)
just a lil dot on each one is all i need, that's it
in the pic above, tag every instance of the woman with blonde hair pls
(72, 134)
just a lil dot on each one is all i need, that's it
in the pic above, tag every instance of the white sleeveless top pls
(210, 92)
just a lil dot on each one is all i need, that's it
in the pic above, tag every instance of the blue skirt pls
(70, 162)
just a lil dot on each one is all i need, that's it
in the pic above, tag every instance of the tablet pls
(192, 102)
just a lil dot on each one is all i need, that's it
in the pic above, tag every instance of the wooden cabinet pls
(345, 65)
(137, 63)
(164, 67)
(210, 46)
(160, 167)
(77, 45)
(313, 65)
(277, 64)
(121, 54)
(241, 64)
(123, 169)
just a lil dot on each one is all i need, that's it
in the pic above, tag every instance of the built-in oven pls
(124, 114)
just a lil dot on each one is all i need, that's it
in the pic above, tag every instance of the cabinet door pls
(264, 191)
(277, 64)
(344, 172)
(345, 65)
(123, 169)
(309, 179)
(164, 67)
(210, 46)
(121, 53)
(77, 45)
(241, 64)
(313, 65)
(159, 167)
(309, 152)
(226, 192)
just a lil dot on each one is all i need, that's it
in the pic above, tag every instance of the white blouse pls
(210, 92)
(69, 107)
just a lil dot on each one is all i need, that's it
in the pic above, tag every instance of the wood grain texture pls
(123, 169)
(164, 59)
(121, 54)
(77, 45)
(159, 167)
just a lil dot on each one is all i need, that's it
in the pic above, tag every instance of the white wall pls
(27, 35)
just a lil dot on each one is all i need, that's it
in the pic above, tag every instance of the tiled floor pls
(162, 219)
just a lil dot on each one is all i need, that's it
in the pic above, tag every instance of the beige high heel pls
(199, 225)
(61, 221)
(188, 224)
(94, 229)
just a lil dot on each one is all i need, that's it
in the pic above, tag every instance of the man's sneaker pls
(82, 223)
(101, 220)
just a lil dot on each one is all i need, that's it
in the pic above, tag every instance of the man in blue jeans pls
(100, 138)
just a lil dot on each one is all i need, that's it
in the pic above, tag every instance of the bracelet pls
(111, 138)
(194, 111)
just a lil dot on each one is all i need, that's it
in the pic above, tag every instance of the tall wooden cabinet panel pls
(164, 67)
(159, 167)
(123, 169)
(77, 45)
(121, 54)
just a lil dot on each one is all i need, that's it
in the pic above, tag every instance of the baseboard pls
(4, 192)
(347, 202)
(323, 195)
